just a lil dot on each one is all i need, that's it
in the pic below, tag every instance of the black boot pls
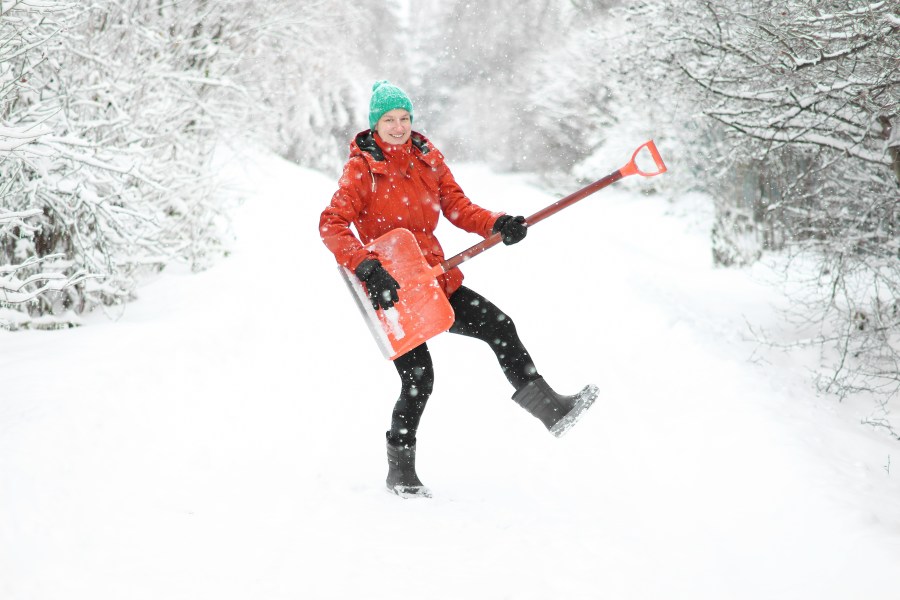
(402, 479)
(557, 413)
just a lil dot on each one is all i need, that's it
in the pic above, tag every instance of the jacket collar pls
(364, 145)
(365, 141)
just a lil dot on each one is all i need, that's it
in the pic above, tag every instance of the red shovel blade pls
(423, 310)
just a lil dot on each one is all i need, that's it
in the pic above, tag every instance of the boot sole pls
(585, 399)
(410, 491)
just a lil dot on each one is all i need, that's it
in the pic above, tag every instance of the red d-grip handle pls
(632, 169)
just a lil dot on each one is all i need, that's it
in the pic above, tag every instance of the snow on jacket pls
(387, 186)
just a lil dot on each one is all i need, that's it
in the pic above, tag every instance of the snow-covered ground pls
(224, 438)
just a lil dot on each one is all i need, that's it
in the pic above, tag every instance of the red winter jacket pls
(386, 186)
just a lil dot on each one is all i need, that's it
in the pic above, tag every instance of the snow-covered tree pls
(813, 88)
(804, 103)
(482, 67)
(307, 75)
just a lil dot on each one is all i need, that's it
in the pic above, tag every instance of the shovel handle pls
(629, 169)
(632, 169)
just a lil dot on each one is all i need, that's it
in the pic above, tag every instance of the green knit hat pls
(386, 97)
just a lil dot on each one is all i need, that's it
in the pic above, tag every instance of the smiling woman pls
(395, 178)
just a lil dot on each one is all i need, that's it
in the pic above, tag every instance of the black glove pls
(513, 229)
(382, 288)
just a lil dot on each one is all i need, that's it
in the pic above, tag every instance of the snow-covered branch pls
(16, 290)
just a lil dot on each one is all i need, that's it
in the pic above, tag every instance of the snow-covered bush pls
(110, 113)
(28, 272)
(118, 100)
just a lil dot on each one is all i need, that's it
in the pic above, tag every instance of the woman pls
(396, 178)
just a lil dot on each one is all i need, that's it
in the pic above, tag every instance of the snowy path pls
(224, 438)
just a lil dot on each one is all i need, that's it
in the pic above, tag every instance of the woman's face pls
(394, 126)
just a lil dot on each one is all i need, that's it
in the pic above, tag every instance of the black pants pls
(475, 317)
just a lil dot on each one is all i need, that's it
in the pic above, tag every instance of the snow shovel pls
(423, 310)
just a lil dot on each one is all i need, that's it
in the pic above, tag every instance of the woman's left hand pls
(513, 229)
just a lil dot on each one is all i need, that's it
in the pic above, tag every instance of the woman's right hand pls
(380, 285)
